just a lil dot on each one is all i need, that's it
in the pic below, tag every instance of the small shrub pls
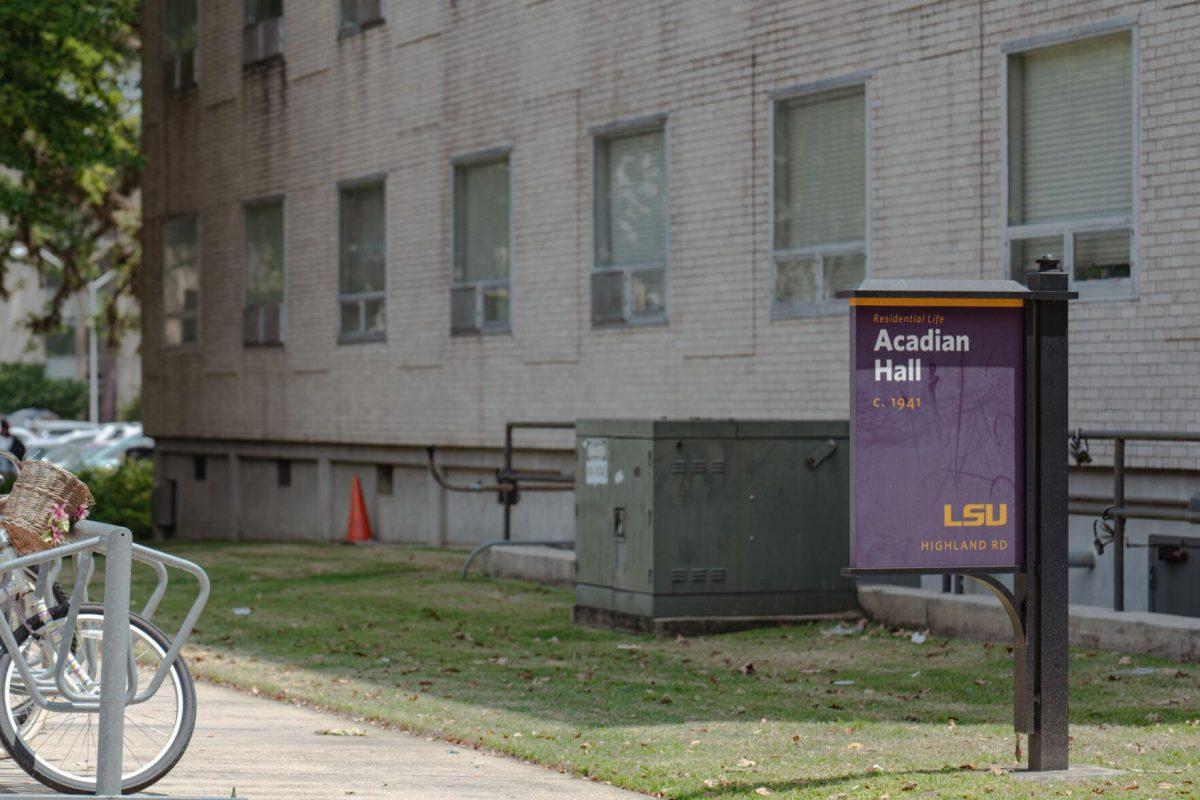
(123, 495)
(26, 386)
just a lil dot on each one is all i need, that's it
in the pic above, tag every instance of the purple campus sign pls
(937, 433)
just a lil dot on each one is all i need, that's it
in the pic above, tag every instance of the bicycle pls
(51, 667)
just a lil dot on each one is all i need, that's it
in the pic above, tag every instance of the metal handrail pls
(1121, 510)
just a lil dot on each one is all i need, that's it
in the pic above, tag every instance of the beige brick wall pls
(446, 78)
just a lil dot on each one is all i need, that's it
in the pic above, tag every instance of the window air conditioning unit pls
(179, 71)
(262, 40)
(263, 324)
(370, 12)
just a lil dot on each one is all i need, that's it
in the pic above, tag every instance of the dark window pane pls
(1101, 256)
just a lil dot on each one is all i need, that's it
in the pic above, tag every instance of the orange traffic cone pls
(358, 528)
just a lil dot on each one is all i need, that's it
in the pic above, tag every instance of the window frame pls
(361, 298)
(162, 267)
(819, 306)
(347, 31)
(270, 199)
(660, 122)
(175, 58)
(1118, 288)
(481, 285)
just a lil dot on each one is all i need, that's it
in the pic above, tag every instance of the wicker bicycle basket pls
(41, 492)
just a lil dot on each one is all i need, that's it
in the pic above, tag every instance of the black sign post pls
(958, 524)
(1045, 579)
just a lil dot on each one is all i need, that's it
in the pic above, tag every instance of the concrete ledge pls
(980, 617)
(590, 617)
(554, 565)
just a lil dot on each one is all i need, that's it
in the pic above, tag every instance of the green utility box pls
(710, 524)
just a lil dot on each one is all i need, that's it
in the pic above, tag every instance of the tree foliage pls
(69, 151)
(26, 386)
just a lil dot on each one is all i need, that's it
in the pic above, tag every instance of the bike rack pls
(116, 690)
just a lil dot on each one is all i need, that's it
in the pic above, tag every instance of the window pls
(262, 32)
(283, 472)
(362, 268)
(357, 15)
(60, 343)
(263, 319)
(630, 211)
(1070, 163)
(820, 202)
(383, 480)
(181, 281)
(479, 300)
(179, 44)
(199, 468)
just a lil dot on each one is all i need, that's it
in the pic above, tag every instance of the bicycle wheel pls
(58, 749)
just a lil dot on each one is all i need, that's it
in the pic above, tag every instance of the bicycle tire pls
(27, 759)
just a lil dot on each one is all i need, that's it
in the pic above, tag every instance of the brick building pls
(377, 226)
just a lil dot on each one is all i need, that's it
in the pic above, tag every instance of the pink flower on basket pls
(60, 523)
(81, 513)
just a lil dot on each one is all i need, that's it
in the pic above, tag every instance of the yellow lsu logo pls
(976, 515)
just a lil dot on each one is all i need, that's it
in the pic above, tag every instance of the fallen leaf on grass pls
(856, 746)
(845, 630)
(908, 786)
(341, 732)
(745, 762)
(1132, 787)
(762, 790)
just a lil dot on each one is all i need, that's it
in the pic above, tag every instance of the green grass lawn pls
(390, 635)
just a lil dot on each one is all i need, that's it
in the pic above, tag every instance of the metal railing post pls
(115, 653)
(1119, 525)
(508, 492)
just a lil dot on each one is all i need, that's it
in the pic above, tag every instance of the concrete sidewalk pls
(271, 751)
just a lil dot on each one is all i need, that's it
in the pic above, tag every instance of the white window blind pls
(362, 263)
(482, 220)
(820, 170)
(1071, 161)
(820, 207)
(264, 273)
(1072, 131)
(181, 281)
(632, 200)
